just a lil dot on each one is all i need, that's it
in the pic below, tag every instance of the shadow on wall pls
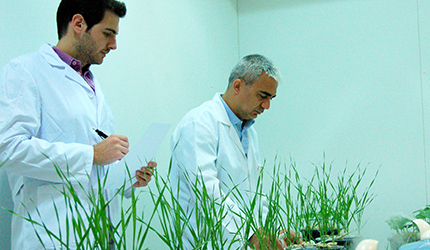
(5, 216)
(258, 6)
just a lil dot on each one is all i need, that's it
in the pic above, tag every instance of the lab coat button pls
(90, 95)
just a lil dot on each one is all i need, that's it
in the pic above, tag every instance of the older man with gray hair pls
(215, 152)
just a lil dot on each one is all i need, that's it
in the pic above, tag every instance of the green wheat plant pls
(329, 203)
(207, 232)
(283, 201)
(88, 224)
(325, 201)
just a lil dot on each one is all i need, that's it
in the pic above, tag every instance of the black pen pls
(100, 133)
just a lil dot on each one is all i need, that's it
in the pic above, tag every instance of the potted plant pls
(405, 231)
(326, 205)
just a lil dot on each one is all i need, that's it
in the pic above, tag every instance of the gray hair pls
(250, 68)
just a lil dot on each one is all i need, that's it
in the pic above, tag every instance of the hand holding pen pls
(101, 133)
(143, 176)
(111, 149)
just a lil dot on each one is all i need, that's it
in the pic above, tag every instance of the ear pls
(78, 24)
(237, 85)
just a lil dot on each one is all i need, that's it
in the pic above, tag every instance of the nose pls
(112, 44)
(265, 104)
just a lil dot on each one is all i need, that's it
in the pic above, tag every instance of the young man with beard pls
(50, 102)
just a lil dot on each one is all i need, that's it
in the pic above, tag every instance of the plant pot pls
(346, 242)
(314, 234)
(398, 240)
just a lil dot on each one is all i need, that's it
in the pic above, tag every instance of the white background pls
(355, 81)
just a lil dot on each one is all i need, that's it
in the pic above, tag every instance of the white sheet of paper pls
(137, 157)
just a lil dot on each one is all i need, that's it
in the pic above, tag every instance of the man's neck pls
(67, 47)
(229, 100)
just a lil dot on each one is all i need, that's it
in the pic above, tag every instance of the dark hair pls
(93, 12)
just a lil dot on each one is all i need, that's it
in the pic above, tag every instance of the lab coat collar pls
(54, 60)
(51, 57)
(223, 118)
(223, 115)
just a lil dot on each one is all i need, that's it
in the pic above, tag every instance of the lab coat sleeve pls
(194, 152)
(21, 151)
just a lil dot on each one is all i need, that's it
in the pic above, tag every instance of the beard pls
(86, 50)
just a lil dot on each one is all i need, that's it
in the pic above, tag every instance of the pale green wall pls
(352, 89)
(352, 79)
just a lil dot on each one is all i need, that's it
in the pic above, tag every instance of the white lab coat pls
(206, 142)
(48, 112)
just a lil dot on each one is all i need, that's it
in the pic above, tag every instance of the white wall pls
(352, 90)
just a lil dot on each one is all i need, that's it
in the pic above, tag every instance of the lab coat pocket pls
(17, 190)
(17, 194)
(52, 213)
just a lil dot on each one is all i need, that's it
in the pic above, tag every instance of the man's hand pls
(143, 175)
(113, 148)
(265, 239)
(290, 238)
